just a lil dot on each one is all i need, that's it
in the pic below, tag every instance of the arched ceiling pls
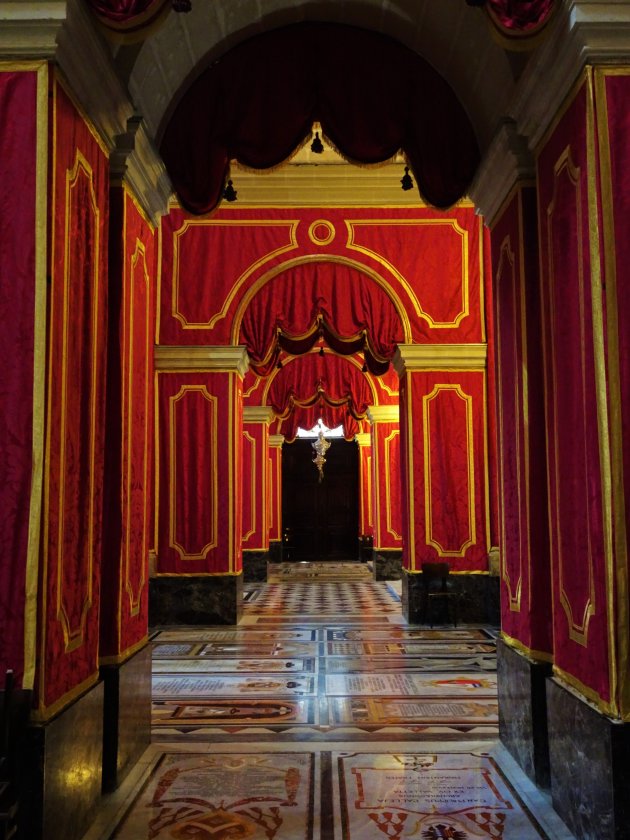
(454, 37)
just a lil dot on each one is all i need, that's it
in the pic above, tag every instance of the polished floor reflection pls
(320, 723)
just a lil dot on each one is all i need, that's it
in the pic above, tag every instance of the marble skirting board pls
(523, 711)
(275, 551)
(210, 599)
(127, 715)
(387, 564)
(590, 767)
(478, 601)
(255, 566)
(61, 790)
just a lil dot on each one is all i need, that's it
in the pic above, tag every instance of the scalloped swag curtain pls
(372, 96)
(313, 386)
(326, 300)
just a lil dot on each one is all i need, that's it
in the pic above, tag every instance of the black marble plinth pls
(366, 547)
(590, 767)
(127, 715)
(62, 789)
(478, 601)
(209, 599)
(255, 566)
(387, 565)
(523, 711)
(275, 551)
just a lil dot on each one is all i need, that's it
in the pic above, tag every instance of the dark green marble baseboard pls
(523, 711)
(589, 757)
(387, 564)
(479, 601)
(64, 757)
(207, 599)
(127, 715)
(255, 566)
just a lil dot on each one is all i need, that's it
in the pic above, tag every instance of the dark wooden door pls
(320, 520)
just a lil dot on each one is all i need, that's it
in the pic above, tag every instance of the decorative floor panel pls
(324, 716)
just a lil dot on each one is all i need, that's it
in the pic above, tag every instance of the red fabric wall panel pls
(366, 485)
(572, 367)
(128, 521)
(255, 486)
(200, 473)
(386, 482)
(18, 152)
(76, 408)
(275, 492)
(615, 177)
(526, 576)
(443, 431)
(428, 262)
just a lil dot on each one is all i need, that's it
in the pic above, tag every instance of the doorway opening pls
(320, 518)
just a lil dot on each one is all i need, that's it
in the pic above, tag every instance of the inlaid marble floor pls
(310, 722)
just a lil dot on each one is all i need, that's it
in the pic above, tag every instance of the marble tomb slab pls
(246, 795)
(403, 634)
(433, 796)
(405, 685)
(235, 710)
(182, 685)
(407, 648)
(358, 665)
(234, 666)
(396, 710)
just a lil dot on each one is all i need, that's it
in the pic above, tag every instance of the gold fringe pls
(359, 163)
(269, 169)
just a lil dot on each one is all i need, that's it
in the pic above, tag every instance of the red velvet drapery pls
(520, 15)
(18, 152)
(128, 17)
(314, 386)
(325, 299)
(371, 95)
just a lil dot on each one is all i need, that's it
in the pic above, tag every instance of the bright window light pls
(319, 426)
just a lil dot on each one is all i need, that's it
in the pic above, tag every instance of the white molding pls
(416, 357)
(29, 30)
(136, 162)
(584, 32)
(85, 60)
(233, 359)
(384, 414)
(258, 414)
(363, 438)
(507, 161)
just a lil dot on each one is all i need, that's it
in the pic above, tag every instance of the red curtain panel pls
(371, 95)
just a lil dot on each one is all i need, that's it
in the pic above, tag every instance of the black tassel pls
(406, 182)
(321, 351)
(229, 193)
(317, 146)
(279, 365)
(364, 369)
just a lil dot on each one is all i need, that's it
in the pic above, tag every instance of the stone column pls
(275, 498)
(200, 419)
(255, 489)
(366, 503)
(386, 494)
(444, 468)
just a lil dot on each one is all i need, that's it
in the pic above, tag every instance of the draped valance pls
(314, 386)
(522, 16)
(326, 300)
(371, 95)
